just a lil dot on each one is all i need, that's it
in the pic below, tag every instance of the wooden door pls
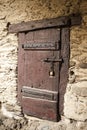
(39, 72)
(43, 63)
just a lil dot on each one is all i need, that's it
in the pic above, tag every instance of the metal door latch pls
(52, 61)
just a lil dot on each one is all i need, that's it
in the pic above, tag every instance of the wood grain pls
(46, 23)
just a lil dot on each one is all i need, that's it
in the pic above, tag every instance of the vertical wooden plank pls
(20, 64)
(64, 67)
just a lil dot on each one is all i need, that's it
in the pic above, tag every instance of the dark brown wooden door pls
(42, 75)
(39, 59)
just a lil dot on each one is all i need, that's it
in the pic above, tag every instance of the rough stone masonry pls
(16, 11)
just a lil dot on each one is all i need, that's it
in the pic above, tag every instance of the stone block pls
(75, 106)
(81, 125)
(80, 88)
(85, 20)
(83, 65)
(83, 7)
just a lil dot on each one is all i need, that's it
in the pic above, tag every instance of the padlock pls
(51, 73)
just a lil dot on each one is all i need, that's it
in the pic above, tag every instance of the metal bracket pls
(41, 46)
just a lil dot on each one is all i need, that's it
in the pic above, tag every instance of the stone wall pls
(75, 106)
(16, 11)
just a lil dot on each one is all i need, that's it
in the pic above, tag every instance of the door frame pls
(63, 23)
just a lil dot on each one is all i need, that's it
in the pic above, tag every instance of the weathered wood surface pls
(64, 68)
(46, 23)
(39, 93)
(34, 73)
(43, 109)
(21, 39)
